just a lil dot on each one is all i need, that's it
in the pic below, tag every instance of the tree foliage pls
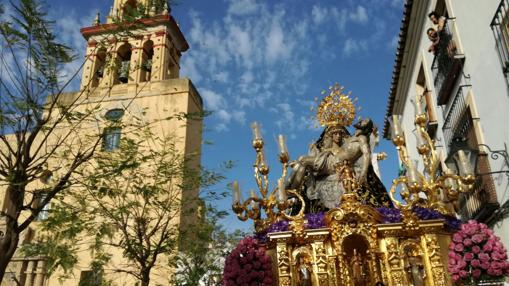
(40, 124)
(31, 115)
(201, 262)
(141, 200)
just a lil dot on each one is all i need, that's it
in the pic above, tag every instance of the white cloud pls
(222, 76)
(189, 68)
(221, 127)
(354, 46)
(240, 44)
(341, 17)
(397, 3)
(262, 52)
(319, 14)
(242, 7)
(224, 115)
(394, 42)
(213, 101)
(239, 116)
(360, 15)
(275, 43)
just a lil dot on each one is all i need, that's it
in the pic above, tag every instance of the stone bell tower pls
(131, 70)
(139, 43)
(132, 63)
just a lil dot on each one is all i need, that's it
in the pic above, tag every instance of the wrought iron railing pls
(452, 113)
(499, 26)
(447, 63)
(478, 204)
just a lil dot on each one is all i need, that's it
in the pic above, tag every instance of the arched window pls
(146, 64)
(99, 67)
(122, 63)
(173, 68)
(112, 134)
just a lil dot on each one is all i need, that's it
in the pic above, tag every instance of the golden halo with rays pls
(336, 109)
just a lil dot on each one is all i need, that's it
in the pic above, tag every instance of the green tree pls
(30, 61)
(141, 200)
(201, 262)
(39, 122)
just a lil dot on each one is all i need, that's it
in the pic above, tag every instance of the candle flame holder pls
(426, 188)
(272, 205)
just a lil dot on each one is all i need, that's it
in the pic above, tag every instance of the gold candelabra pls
(427, 188)
(270, 206)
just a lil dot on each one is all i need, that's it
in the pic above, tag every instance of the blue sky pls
(266, 61)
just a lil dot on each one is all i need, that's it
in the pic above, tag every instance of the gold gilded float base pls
(356, 249)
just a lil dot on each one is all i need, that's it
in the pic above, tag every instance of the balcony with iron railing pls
(453, 112)
(499, 26)
(479, 204)
(448, 62)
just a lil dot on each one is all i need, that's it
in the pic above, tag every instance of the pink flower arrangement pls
(477, 253)
(248, 264)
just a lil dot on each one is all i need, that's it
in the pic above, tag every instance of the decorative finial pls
(97, 20)
(336, 109)
(165, 8)
(153, 10)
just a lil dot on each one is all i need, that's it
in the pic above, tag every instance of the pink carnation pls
(248, 264)
(468, 256)
(457, 237)
(484, 257)
(477, 238)
(475, 263)
(476, 252)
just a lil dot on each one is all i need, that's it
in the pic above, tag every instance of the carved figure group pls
(317, 172)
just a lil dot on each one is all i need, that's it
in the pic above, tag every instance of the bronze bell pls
(147, 66)
(123, 75)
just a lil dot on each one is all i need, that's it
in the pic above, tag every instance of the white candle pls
(282, 144)
(420, 138)
(236, 192)
(256, 131)
(418, 105)
(395, 126)
(412, 175)
(450, 182)
(252, 194)
(281, 192)
(465, 169)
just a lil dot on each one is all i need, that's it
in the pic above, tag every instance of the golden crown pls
(336, 109)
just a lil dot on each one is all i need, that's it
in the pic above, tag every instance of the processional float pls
(368, 236)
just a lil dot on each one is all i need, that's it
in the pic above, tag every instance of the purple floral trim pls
(389, 215)
(392, 215)
(315, 220)
(427, 214)
(278, 226)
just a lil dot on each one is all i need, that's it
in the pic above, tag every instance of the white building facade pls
(465, 88)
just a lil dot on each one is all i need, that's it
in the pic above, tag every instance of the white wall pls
(489, 87)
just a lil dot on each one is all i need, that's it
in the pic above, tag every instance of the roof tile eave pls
(397, 64)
